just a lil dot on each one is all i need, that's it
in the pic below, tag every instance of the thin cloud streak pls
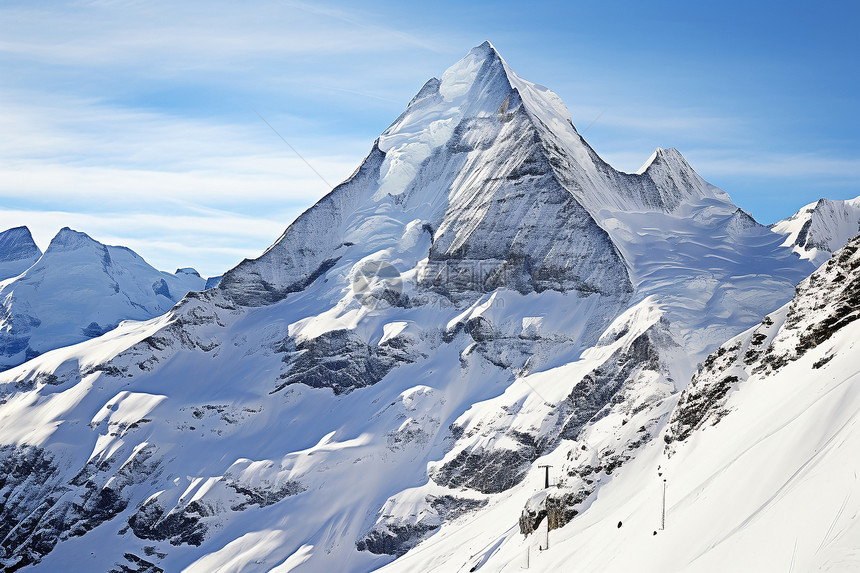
(194, 36)
(94, 152)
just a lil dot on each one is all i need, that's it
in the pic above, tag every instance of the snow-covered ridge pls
(820, 228)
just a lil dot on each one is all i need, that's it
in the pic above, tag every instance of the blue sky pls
(136, 121)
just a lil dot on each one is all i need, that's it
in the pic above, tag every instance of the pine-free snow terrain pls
(78, 289)
(482, 296)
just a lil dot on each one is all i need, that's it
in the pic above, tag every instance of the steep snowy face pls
(820, 228)
(80, 289)
(464, 165)
(18, 252)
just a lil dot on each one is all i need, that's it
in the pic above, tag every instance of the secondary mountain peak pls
(187, 271)
(16, 244)
(68, 239)
(663, 156)
(820, 228)
(17, 251)
(80, 289)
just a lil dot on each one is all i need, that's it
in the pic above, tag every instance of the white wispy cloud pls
(180, 191)
(191, 35)
(778, 165)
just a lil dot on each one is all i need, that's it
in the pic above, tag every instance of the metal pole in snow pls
(663, 518)
(547, 530)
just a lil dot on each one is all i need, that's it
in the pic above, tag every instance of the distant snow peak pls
(187, 271)
(78, 289)
(69, 239)
(820, 228)
(18, 252)
(17, 244)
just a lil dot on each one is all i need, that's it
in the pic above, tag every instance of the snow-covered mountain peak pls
(460, 78)
(17, 251)
(463, 173)
(820, 228)
(16, 244)
(80, 254)
(664, 157)
(480, 86)
(683, 186)
(477, 86)
(68, 239)
(187, 271)
(78, 289)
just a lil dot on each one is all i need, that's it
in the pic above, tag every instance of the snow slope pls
(483, 292)
(820, 228)
(759, 458)
(18, 252)
(79, 289)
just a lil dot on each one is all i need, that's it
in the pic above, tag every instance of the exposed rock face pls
(153, 522)
(395, 535)
(490, 470)
(340, 360)
(188, 522)
(134, 564)
(611, 395)
(598, 389)
(40, 509)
